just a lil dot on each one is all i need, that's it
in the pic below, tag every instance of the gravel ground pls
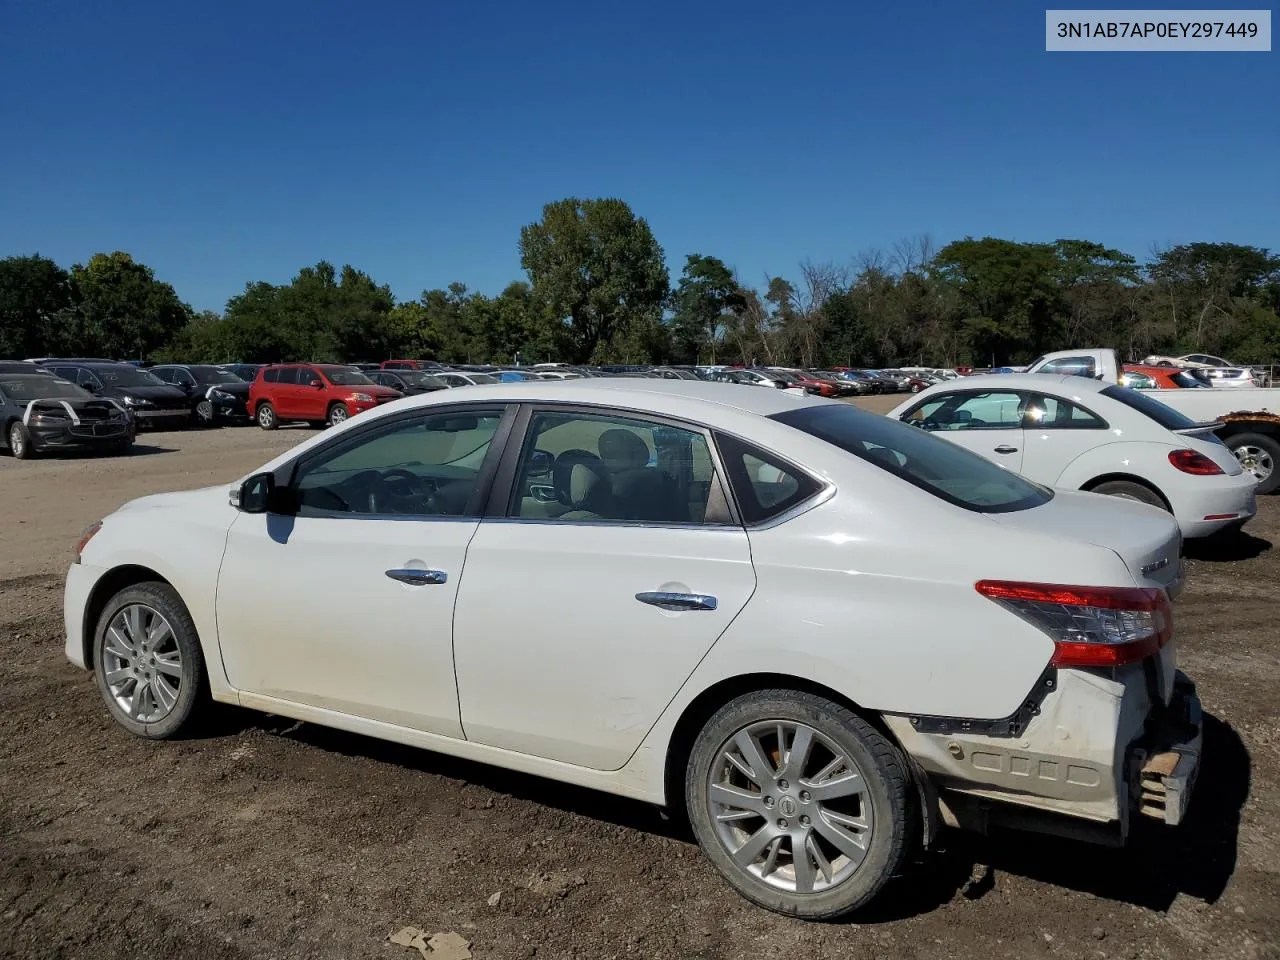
(268, 838)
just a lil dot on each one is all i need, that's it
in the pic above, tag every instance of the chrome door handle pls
(1005, 448)
(418, 578)
(678, 601)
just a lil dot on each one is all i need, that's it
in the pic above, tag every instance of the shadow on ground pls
(1196, 859)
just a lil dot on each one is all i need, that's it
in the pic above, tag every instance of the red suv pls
(320, 393)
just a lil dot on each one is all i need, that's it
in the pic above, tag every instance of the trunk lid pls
(1146, 538)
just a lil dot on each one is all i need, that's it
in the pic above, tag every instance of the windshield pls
(1144, 403)
(935, 465)
(126, 377)
(345, 378)
(32, 388)
(1184, 379)
(213, 375)
(423, 380)
(481, 378)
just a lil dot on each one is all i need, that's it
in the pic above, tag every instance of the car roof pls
(23, 377)
(1020, 381)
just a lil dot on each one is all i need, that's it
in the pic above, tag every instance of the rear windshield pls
(935, 465)
(41, 388)
(1167, 417)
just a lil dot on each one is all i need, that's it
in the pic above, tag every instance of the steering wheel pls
(398, 484)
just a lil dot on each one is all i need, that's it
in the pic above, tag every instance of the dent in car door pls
(574, 627)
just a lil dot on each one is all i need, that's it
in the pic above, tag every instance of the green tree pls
(596, 267)
(121, 309)
(707, 291)
(35, 295)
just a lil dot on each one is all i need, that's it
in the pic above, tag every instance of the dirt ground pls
(267, 838)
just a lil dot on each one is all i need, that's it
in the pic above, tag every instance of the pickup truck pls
(1248, 419)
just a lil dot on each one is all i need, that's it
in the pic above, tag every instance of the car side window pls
(86, 380)
(1054, 413)
(306, 376)
(596, 467)
(990, 410)
(163, 373)
(426, 466)
(763, 485)
(1071, 366)
(182, 378)
(291, 375)
(1139, 381)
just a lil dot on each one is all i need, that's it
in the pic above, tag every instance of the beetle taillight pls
(1192, 461)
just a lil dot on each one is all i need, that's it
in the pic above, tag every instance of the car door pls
(1055, 432)
(988, 422)
(312, 401)
(610, 570)
(344, 599)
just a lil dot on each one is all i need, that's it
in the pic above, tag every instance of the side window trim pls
(508, 471)
(286, 474)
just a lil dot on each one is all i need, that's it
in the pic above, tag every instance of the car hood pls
(234, 389)
(203, 498)
(1146, 538)
(145, 393)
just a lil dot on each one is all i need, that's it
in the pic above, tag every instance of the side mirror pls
(255, 495)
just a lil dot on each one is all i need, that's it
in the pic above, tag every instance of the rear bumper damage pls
(1097, 751)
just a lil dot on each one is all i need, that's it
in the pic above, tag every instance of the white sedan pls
(1082, 434)
(687, 593)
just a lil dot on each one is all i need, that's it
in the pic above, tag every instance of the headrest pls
(623, 450)
(585, 479)
(563, 474)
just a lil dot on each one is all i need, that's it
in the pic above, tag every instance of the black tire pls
(1130, 490)
(888, 793)
(1165, 363)
(266, 416)
(339, 413)
(202, 414)
(193, 692)
(20, 441)
(1265, 446)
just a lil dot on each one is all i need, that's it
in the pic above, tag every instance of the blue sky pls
(234, 141)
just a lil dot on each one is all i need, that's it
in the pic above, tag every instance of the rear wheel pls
(1258, 455)
(266, 416)
(1128, 490)
(20, 442)
(149, 666)
(798, 802)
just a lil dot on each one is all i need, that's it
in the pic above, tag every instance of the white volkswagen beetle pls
(687, 593)
(1082, 434)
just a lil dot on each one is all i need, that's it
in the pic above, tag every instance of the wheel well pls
(703, 706)
(107, 587)
(1266, 428)
(1127, 478)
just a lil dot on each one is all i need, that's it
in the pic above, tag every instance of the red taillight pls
(1089, 626)
(1191, 461)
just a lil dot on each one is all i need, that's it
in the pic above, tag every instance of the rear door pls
(611, 568)
(988, 422)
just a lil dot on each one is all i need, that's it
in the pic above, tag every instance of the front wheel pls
(149, 666)
(799, 803)
(266, 416)
(20, 442)
(203, 413)
(338, 413)
(1258, 455)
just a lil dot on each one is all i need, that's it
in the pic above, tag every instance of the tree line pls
(598, 289)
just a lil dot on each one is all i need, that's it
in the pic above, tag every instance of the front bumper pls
(99, 435)
(1098, 750)
(161, 419)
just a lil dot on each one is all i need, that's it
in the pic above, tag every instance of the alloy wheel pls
(204, 412)
(790, 806)
(142, 663)
(17, 440)
(1255, 461)
(338, 415)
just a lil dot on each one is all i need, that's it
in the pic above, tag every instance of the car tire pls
(202, 415)
(338, 414)
(266, 416)
(152, 680)
(1259, 454)
(754, 851)
(20, 441)
(1129, 490)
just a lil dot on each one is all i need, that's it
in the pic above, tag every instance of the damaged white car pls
(711, 584)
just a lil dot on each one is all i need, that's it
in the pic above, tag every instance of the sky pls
(228, 142)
